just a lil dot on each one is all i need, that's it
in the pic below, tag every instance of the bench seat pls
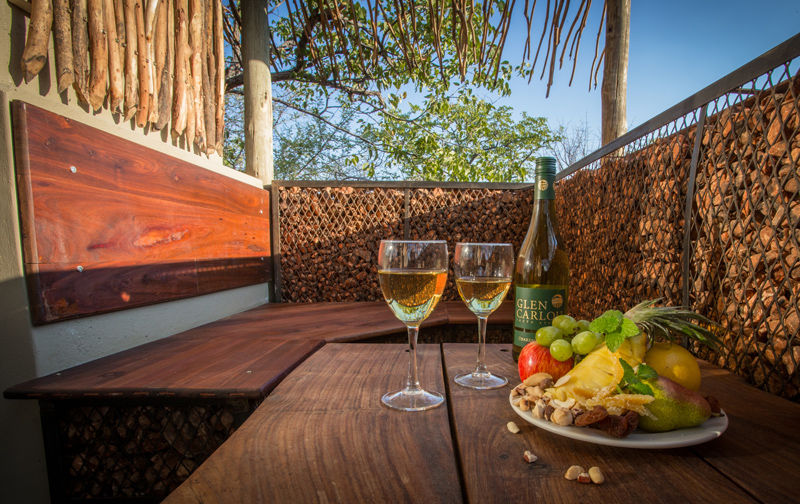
(243, 356)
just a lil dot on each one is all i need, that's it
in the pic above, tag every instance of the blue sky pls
(677, 47)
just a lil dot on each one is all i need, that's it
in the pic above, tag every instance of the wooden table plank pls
(324, 436)
(760, 451)
(494, 471)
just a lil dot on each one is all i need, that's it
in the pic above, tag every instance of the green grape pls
(584, 342)
(600, 337)
(561, 350)
(567, 324)
(583, 325)
(547, 335)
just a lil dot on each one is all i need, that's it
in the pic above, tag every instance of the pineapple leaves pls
(616, 328)
(669, 322)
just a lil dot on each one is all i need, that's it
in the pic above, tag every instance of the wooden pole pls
(196, 19)
(34, 56)
(80, 49)
(131, 60)
(145, 80)
(219, 56)
(209, 108)
(98, 78)
(615, 72)
(62, 38)
(257, 91)
(165, 89)
(179, 96)
(116, 88)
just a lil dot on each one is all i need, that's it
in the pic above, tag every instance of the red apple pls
(536, 358)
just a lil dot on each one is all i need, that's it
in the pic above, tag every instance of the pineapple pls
(595, 378)
(599, 373)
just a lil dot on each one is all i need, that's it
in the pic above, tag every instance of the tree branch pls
(320, 118)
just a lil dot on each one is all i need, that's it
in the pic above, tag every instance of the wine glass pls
(483, 275)
(412, 276)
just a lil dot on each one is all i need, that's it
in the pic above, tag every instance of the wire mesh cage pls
(745, 271)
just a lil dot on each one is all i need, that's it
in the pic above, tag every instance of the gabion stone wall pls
(329, 241)
(119, 451)
(330, 236)
(746, 235)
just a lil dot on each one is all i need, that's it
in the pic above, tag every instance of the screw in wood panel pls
(73, 169)
(80, 269)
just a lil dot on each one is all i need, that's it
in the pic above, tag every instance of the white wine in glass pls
(483, 276)
(413, 275)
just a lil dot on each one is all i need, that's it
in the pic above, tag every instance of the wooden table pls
(323, 436)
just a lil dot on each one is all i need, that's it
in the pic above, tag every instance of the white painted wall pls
(27, 352)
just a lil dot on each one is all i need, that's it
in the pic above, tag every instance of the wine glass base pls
(481, 381)
(413, 400)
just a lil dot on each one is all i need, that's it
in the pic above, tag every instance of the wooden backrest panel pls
(109, 224)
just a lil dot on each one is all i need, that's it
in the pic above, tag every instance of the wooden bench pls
(150, 415)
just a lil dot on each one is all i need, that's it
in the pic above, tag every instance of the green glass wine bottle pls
(541, 278)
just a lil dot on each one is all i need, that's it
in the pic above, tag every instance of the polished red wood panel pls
(109, 224)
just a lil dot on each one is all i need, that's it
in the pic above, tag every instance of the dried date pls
(598, 413)
(614, 425)
(633, 421)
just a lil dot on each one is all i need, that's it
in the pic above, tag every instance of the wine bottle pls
(541, 277)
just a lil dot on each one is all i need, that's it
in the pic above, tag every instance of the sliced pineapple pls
(599, 373)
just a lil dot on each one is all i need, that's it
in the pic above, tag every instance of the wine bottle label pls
(545, 186)
(536, 307)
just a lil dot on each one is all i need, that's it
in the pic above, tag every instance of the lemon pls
(674, 362)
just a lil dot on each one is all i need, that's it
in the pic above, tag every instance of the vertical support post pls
(687, 211)
(52, 451)
(275, 242)
(406, 207)
(257, 90)
(613, 91)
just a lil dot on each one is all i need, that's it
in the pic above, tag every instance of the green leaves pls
(607, 322)
(463, 137)
(632, 380)
(616, 328)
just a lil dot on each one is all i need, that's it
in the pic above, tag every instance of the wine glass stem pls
(412, 380)
(481, 345)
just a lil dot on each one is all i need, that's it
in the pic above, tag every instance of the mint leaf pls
(614, 339)
(607, 322)
(628, 374)
(628, 328)
(645, 372)
(632, 380)
(640, 388)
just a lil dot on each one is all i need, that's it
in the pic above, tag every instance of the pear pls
(675, 407)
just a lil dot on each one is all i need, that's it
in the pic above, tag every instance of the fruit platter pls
(620, 380)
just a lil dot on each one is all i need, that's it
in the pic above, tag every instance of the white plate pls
(710, 429)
